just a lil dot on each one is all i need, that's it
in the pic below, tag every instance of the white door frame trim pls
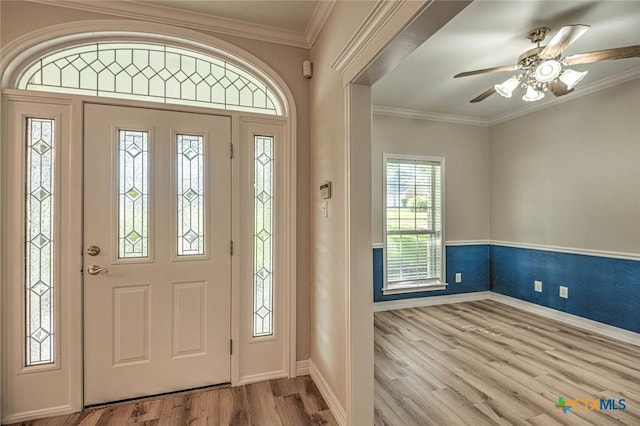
(361, 62)
(20, 52)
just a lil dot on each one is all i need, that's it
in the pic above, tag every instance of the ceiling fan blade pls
(603, 55)
(558, 88)
(483, 96)
(486, 70)
(563, 39)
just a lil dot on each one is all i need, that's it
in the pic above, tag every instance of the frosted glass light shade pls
(571, 77)
(506, 89)
(547, 70)
(532, 95)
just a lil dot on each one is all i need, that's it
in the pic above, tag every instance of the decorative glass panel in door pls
(133, 194)
(190, 199)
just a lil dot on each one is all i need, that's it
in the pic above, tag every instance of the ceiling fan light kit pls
(571, 77)
(543, 66)
(547, 70)
(533, 94)
(506, 89)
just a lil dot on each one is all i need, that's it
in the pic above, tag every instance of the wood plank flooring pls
(277, 402)
(485, 363)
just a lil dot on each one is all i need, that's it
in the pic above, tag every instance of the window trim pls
(414, 285)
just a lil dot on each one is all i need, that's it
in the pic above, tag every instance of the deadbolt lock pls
(93, 251)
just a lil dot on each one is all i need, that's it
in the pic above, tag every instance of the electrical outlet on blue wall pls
(473, 259)
(616, 303)
(564, 292)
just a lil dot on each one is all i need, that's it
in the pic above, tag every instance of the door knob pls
(93, 250)
(95, 270)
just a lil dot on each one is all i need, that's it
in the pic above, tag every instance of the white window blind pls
(413, 209)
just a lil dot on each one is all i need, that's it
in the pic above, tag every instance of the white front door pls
(157, 262)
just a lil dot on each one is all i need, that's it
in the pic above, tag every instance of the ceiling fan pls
(544, 69)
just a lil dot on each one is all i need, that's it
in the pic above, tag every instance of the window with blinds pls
(413, 221)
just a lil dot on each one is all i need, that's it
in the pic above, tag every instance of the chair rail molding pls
(569, 250)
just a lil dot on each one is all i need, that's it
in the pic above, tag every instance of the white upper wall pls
(564, 176)
(328, 135)
(569, 175)
(466, 152)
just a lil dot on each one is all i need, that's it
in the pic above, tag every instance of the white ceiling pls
(492, 33)
(290, 15)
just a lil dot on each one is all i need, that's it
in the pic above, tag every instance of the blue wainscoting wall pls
(602, 289)
(472, 261)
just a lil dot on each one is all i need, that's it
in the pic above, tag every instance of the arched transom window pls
(150, 72)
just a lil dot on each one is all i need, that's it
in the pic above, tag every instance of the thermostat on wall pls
(325, 190)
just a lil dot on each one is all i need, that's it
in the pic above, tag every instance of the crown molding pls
(587, 89)
(373, 22)
(193, 20)
(431, 116)
(318, 19)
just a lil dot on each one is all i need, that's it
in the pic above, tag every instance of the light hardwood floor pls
(277, 402)
(485, 363)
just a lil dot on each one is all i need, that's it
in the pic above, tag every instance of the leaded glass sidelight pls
(263, 237)
(190, 200)
(39, 247)
(133, 194)
(151, 72)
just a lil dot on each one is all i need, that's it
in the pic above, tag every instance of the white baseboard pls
(302, 368)
(330, 398)
(38, 414)
(429, 301)
(262, 377)
(574, 320)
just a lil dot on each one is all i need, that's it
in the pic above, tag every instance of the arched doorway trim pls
(21, 52)
(18, 54)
